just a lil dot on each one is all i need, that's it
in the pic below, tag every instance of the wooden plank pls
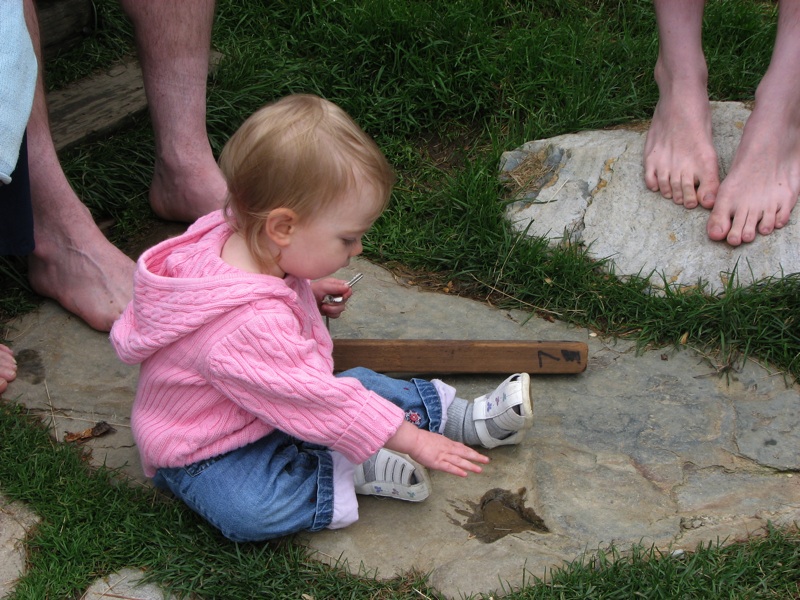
(104, 102)
(96, 105)
(63, 24)
(461, 356)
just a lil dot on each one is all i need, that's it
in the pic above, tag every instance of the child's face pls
(325, 242)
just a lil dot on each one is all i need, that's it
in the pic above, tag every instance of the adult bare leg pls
(679, 156)
(8, 367)
(73, 262)
(174, 41)
(761, 189)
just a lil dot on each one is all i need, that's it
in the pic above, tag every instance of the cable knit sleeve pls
(269, 368)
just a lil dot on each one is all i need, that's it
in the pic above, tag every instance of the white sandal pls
(501, 406)
(396, 476)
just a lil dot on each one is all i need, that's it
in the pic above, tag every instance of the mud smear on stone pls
(498, 514)
(30, 367)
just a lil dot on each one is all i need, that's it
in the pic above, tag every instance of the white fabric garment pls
(17, 82)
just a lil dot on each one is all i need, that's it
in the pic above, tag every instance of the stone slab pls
(126, 585)
(589, 187)
(69, 374)
(15, 522)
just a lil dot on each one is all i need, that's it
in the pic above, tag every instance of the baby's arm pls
(268, 368)
(436, 451)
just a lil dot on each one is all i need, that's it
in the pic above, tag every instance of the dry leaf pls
(102, 428)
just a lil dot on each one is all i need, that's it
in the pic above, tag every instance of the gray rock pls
(15, 522)
(126, 584)
(589, 187)
(69, 373)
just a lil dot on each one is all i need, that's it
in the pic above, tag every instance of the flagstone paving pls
(657, 448)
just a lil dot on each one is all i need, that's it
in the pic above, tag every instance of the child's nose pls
(358, 248)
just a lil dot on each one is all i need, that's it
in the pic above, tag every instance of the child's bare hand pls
(331, 286)
(436, 451)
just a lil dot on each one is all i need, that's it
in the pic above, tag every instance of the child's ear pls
(281, 223)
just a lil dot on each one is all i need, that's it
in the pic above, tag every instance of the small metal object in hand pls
(328, 299)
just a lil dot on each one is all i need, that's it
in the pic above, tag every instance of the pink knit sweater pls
(228, 357)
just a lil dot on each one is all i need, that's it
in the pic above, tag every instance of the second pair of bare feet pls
(761, 189)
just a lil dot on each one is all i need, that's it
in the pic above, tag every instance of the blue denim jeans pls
(280, 485)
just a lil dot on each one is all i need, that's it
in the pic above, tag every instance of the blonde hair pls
(303, 153)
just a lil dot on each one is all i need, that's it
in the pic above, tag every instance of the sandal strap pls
(499, 406)
(394, 473)
(392, 467)
(489, 441)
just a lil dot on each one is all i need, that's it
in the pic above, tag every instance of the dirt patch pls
(449, 149)
(152, 233)
(530, 176)
(30, 366)
(499, 513)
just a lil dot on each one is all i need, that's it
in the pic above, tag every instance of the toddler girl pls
(237, 410)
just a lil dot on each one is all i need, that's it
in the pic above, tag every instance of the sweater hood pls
(171, 302)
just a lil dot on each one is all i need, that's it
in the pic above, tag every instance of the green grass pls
(444, 86)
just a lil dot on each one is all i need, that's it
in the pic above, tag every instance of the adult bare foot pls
(8, 367)
(761, 189)
(187, 192)
(174, 41)
(679, 156)
(79, 268)
(73, 262)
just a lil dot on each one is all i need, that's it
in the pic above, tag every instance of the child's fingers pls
(466, 460)
(471, 467)
(342, 289)
(461, 466)
(332, 311)
(331, 287)
(469, 453)
(460, 460)
(476, 456)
